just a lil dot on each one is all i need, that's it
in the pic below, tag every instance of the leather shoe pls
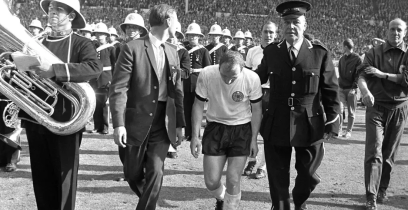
(371, 205)
(93, 131)
(104, 132)
(382, 197)
(11, 167)
(172, 155)
(301, 207)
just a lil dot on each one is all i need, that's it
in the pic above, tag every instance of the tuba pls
(18, 85)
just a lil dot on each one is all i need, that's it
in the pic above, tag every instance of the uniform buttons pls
(292, 108)
(151, 114)
(294, 82)
(155, 87)
(154, 101)
(293, 69)
(292, 94)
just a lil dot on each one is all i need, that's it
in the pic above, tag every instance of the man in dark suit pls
(303, 87)
(146, 100)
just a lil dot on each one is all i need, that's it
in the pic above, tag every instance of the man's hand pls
(195, 147)
(352, 92)
(179, 133)
(328, 136)
(375, 72)
(253, 148)
(43, 71)
(120, 136)
(368, 99)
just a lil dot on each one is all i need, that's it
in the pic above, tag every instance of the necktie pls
(292, 54)
(160, 62)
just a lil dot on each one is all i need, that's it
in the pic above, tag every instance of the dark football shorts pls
(230, 140)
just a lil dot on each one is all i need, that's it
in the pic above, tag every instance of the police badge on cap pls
(296, 8)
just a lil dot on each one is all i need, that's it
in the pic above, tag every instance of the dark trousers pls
(54, 165)
(384, 129)
(101, 114)
(189, 98)
(144, 164)
(6, 151)
(308, 160)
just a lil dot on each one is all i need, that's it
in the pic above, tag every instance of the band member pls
(55, 158)
(86, 32)
(226, 36)
(36, 27)
(114, 40)
(146, 99)
(9, 151)
(253, 59)
(199, 58)
(303, 87)
(234, 115)
(384, 87)
(239, 39)
(249, 40)
(185, 71)
(216, 49)
(107, 55)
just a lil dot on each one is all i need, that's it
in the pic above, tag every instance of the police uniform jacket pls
(106, 54)
(117, 45)
(199, 59)
(300, 94)
(185, 63)
(216, 54)
(79, 64)
(134, 92)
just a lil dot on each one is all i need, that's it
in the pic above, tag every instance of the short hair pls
(348, 43)
(269, 23)
(309, 36)
(232, 58)
(398, 20)
(159, 14)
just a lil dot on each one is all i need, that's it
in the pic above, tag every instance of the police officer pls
(106, 54)
(36, 27)
(249, 40)
(303, 87)
(239, 39)
(185, 71)
(133, 27)
(199, 58)
(216, 49)
(226, 36)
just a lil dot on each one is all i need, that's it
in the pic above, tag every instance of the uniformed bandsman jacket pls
(243, 50)
(107, 55)
(185, 63)
(216, 51)
(199, 58)
(79, 64)
(301, 93)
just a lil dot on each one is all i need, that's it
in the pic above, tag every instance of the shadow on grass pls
(98, 152)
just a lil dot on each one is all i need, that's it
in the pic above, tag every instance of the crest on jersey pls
(237, 96)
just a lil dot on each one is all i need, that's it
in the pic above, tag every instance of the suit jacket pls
(301, 93)
(184, 63)
(134, 92)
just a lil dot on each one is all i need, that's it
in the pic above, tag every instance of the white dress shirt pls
(160, 58)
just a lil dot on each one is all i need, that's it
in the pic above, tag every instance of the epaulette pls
(319, 44)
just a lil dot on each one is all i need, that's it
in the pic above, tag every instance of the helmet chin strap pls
(56, 31)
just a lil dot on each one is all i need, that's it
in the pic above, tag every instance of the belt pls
(196, 70)
(107, 68)
(291, 102)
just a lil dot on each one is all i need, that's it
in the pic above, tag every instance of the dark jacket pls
(134, 92)
(300, 95)
(185, 63)
(199, 59)
(387, 59)
(348, 75)
(216, 54)
(107, 55)
(80, 65)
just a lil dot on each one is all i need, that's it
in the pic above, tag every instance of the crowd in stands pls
(329, 21)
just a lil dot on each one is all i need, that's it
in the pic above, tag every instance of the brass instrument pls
(18, 85)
